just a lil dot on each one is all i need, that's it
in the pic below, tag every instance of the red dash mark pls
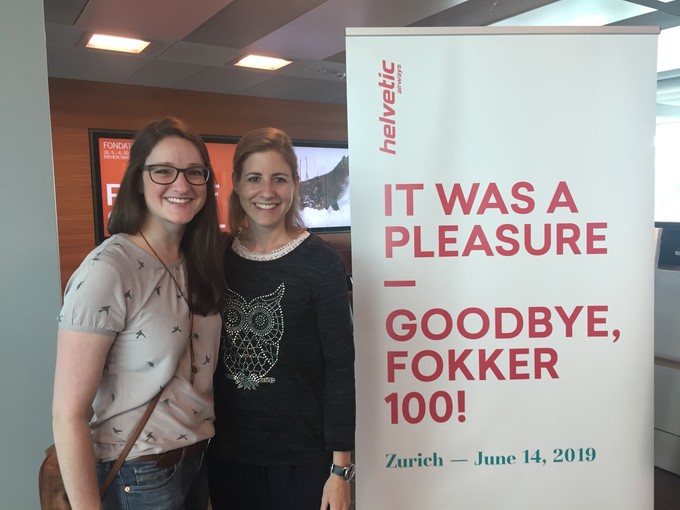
(400, 283)
(461, 406)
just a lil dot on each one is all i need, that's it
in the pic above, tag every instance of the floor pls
(666, 490)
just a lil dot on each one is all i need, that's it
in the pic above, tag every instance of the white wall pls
(29, 264)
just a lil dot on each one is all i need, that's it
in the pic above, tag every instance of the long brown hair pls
(201, 242)
(262, 140)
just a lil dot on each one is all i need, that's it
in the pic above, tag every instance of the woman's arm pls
(80, 362)
(334, 321)
(337, 344)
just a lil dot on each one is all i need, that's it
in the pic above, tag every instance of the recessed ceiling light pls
(260, 62)
(115, 43)
(668, 56)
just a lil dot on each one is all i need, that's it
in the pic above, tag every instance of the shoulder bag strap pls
(128, 446)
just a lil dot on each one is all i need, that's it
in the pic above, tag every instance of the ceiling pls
(194, 43)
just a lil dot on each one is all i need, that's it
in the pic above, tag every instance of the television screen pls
(323, 167)
(324, 185)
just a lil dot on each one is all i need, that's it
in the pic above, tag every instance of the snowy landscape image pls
(324, 187)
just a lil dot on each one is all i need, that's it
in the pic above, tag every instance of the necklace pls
(194, 369)
(238, 247)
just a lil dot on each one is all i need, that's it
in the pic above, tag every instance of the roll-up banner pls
(502, 252)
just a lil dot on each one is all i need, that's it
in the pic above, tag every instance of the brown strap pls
(128, 446)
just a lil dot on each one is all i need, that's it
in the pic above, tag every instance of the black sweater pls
(284, 384)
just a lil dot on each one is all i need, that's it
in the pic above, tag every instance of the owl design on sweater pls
(252, 331)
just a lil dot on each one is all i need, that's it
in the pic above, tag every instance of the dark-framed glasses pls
(166, 174)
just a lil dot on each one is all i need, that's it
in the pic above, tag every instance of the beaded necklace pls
(239, 249)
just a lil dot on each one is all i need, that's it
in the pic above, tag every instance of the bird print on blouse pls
(156, 295)
(252, 330)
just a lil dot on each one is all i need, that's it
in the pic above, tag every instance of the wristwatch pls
(347, 473)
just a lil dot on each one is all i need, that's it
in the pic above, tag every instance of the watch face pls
(349, 472)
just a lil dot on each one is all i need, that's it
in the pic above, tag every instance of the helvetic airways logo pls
(389, 82)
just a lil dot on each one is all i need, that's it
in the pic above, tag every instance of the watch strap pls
(346, 472)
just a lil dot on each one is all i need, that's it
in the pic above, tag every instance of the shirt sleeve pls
(94, 299)
(337, 343)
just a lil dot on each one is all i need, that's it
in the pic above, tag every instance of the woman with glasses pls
(140, 316)
(284, 386)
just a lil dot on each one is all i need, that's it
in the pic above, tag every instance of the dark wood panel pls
(75, 216)
(234, 115)
(71, 152)
(76, 103)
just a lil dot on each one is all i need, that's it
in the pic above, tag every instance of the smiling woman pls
(133, 312)
(287, 351)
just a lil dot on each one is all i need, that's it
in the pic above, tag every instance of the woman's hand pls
(336, 494)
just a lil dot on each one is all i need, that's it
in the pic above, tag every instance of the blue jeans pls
(140, 485)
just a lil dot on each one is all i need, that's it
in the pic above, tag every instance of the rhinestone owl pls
(252, 331)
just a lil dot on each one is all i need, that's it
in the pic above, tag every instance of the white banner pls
(502, 247)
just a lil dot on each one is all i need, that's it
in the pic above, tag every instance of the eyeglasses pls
(166, 174)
